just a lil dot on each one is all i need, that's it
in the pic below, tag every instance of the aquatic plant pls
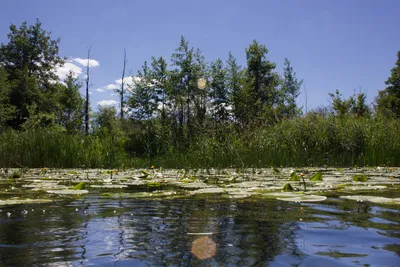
(316, 177)
(287, 188)
(294, 177)
(16, 174)
(304, 181)
(80, 186)
(360, 178)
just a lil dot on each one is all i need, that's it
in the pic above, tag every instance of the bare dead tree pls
(306, 97)
(87, 92)
(122, 91)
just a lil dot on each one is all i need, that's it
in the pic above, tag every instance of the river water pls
(199, 231)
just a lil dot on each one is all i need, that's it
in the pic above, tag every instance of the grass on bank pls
(309, 141)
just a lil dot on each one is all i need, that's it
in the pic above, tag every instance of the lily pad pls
(214, 190)
(317, 177)
(338, 254)
(304, 198)
(294, 177)
(238, 193)
(368, 187)
(374, 199)
(67, 192)
(80, 186)
(360, 178)
(109, 186)
(281, 194)
(148, 194)
(194, 185)
(153, 184)
(287, 188)
(24, 201)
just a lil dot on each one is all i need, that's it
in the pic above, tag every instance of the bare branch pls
(123, 89)
(87, 92)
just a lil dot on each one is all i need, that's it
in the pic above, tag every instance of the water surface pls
(100, 231)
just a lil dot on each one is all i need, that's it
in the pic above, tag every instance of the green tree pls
(143, 100)
(7, 111)
(184, 88)
(200, 92)
(388, 100)
(30, 59)
(341, 107)
(261, 92)
(360, 107)
(355, 105)
(234, 76)
(290, 90)
(71, 101)
(106, 121)
(31, 48)
(219, 93)
(160, 77)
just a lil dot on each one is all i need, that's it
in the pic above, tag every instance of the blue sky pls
(349, 45)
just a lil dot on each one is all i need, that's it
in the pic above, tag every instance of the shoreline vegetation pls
(301, 142)
(184, 113)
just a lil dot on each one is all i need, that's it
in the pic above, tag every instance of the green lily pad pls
(288, 188)
(148, 194)
(294, 177)
(80, 186)
(281, 194)
(238, 193)
(338, 254)
(317, 177)
(144, 174)
(67, 192)
(214, 190)
(360, 178)
(194, 185)
(16, 201)
(109, 186)
(154, 184)
(368, 187)
(303, 198)
(373, 199)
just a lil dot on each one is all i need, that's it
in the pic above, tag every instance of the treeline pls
(188, 113)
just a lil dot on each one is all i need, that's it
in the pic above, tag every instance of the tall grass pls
(309, 141)
(45, 148)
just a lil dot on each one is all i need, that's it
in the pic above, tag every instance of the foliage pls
(290, 90)
(189, 113)
(360, 178)
(71, 104)
(29, 59)
(355, 105)
(287, 188)
(294, 177)
(388, 100)
(317, 177)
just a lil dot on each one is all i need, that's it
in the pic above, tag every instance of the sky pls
(349, 45)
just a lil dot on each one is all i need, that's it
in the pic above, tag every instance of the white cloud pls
(111, 87)
(104, 103)
(107, 87)
(84, 62)
(62, 71)
(129, 80)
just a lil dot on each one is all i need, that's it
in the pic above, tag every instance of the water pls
(95, 231)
